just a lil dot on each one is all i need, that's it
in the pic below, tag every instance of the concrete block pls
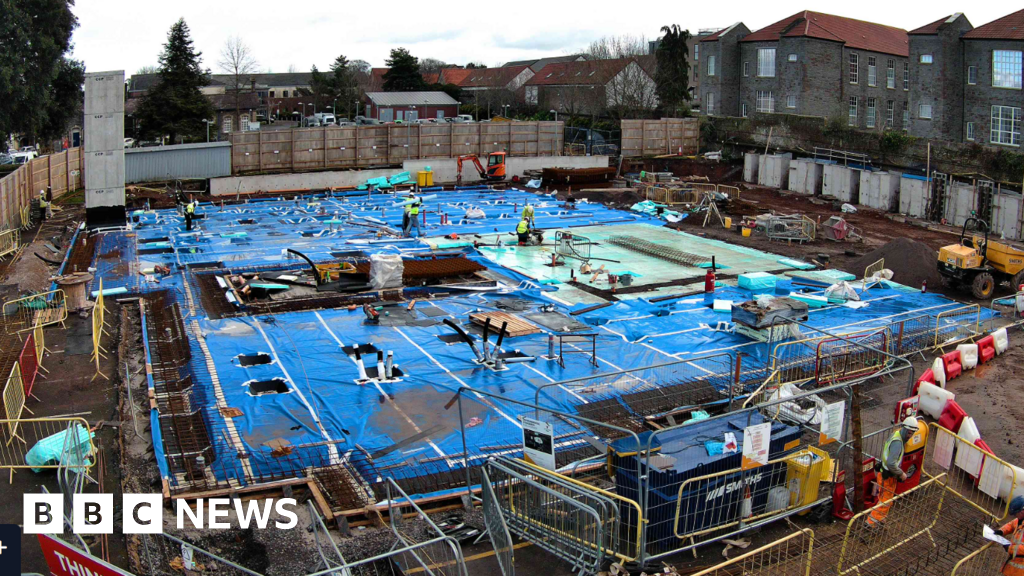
(841, 183)
(104, 132)
(104, 92)
(104, 169)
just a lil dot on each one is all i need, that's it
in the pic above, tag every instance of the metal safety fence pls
(788, 556)
(99, 328)
(980, 478)
(497, 528)
(9, 242)
(985, 561)
(14, 403)
(827, 358)
(46, 443)
(43, 309)
(891, 524)
(955, 326)
(874, 268)
(28, 361)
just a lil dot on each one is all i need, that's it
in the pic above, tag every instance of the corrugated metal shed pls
(181, 161)
(411, 98)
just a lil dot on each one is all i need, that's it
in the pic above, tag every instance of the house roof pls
(492, 77)
(585, 73)
(246, 101)
(1010, 27)
(855, 34)
(453, 75)
(269, 80)
(933, 28)
(411, 98)
(714, 36)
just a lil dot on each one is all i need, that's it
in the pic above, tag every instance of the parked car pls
(6, 159)
(129, 142)
(364, 121)
(325, 119)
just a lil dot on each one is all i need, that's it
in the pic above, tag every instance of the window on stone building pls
(711, 65)
(924, 111)
(766, 62)
(1005, 125)
(890, 74)
(743, 110)
(872, 74)
(1006, 69)
(792, 57)
(271, 93)
(853, 111)
(972, 75)
(906, 76)
(970, 131)
(926, 59)
(791, 101)
(285, 93)
(890, 114)
(711, 103)
(765, 101)
(854, 68)
(746, 69)
(226, 125)
(906, 118)
(696, 52)
(871, 112)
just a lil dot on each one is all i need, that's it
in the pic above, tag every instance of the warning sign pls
(831, 423)
(756, 439)
(538, 443)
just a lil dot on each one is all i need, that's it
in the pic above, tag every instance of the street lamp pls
(555, 112)
(303, 104)
(458, 105)
(356, 102)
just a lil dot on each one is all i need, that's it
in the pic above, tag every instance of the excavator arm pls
(476, 163)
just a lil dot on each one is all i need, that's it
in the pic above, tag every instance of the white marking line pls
(382, 392)
(457, 379)
(676, 356)
(323, 431)
(552, 380)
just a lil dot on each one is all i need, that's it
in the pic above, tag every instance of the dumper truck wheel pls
(983, 286)
(1017, 280)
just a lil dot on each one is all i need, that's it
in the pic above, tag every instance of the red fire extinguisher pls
(709, 278)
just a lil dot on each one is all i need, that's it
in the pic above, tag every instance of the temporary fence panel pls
(656, 137)
(985, 561)
(561, 524)
(788, 556)
(874, 267)
(9, 241)
(983, 480)
(429, 551)
(342, 147)
(497, 529)
(900, 520)
(98, 329)
(957, 325)
(40, 309)
(41, 444)
(28, 361)
(840, 359)
(14, 402)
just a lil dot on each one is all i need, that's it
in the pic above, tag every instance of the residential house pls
(538, 64)
(409, 106)
(693, 57)
(796, 65)
(495, 87)
(623, 85)
(937, 81)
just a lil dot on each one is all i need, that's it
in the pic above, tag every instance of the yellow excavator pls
(979, 263)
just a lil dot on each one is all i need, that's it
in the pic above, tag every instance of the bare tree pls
(237, 60)
(147, 70)
(292, 69)
(630, 90)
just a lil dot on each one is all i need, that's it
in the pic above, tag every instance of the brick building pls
(594, 86)
(968, 81)
(409, 106)
(811, 64)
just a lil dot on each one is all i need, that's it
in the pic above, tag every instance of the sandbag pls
(968, 355)
(1002, 340)
(386, 271)
(939, 370)
(933, 399)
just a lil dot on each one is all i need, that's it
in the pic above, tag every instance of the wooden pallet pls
(516, 325)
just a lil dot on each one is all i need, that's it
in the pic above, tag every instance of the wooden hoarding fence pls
(61, 172)
(679, 136)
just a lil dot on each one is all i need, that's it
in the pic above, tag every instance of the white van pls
(325, 119)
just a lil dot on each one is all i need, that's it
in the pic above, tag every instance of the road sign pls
(66, 560)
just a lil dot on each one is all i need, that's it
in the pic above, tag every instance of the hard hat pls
(910, 423)
(1016, 505)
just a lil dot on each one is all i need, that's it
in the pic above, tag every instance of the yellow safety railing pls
(9, 241)
(98, 330)
(14, 402)
(627, 555)
(984, 481)
(798, 361)
(788, 556)
(41, 309)
(701, 492)
(897, 521)
(732, 191)
(985, 561)
(26, 219)
(41, 349)
(876, 266)
(956, 325)
(764, 391)
(77, 451)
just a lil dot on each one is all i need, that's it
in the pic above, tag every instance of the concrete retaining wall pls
(805, 176)
(445, 171)
(773, 171)
(913, 196)
(880, 190)
(841, 183)
(750, 164)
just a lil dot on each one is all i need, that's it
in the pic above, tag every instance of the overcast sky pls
(128, 34)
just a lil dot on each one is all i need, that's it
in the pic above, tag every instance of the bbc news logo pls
(144, 513)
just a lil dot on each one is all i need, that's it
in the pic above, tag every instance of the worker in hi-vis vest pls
(412, 213)
(190, 213)
(1014, 532)
(892, 472)
(528, 216)
(523, 230)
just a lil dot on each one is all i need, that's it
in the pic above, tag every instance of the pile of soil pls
(911, 262)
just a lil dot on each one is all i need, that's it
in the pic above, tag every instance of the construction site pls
(670, 363)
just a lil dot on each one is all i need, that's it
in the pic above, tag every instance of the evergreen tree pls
(36, 81)
(345, 83)
(176, 106)
(321, 88)
(672, 78)
(403, 73)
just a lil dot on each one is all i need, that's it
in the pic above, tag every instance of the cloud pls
(570, 40)
(424, 36)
